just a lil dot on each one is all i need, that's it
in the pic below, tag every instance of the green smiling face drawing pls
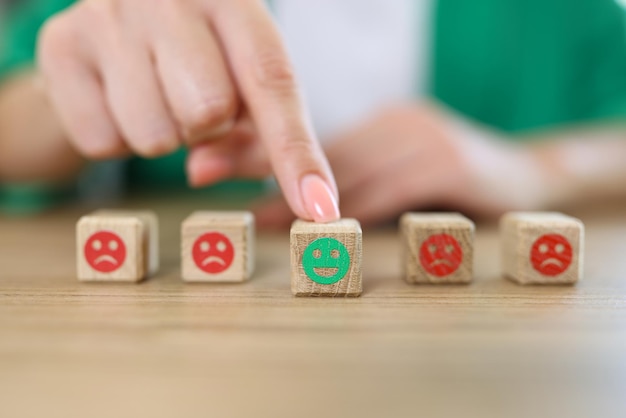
(326, 261)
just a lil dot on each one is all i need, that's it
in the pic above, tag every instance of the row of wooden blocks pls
(540, 248)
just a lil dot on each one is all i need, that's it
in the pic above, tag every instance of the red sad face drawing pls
(213, 252)
(441, 255)
(105, 251)
(551, 254)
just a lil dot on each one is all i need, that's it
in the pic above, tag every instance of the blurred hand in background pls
(423, 155)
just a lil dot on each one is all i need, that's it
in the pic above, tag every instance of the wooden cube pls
(326, 258)
(218, 247)
(542, 247)
(117, 245)
(437, 247)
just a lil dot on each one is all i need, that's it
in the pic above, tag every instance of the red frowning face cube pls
(213, 252)
(441, 255)
(551, 254)
(105, 251)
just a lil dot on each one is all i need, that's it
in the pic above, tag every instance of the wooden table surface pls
(168, 349)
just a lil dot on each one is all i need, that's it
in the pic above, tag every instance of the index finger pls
(264, 76)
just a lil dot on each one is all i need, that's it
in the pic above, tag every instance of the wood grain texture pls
(428, 257)
(530, 254)
(165, 348)
(349, 235)
(237, 227)
(132, 232)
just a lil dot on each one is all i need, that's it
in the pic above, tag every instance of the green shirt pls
(18, 35)
(515, 65)
(519, 65)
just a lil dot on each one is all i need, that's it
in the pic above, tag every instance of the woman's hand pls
(146, 76)
(419, 156)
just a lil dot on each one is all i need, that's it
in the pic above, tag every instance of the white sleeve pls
(353, 57)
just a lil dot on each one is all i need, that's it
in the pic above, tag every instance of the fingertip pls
(205, 168)
(153, 147)
(319, 199)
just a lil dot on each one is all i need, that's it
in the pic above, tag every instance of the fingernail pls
(319, 199)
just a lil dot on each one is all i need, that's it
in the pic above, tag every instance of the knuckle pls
(211, 113)
(56, 38)
(99, 20)
(295, 147)
(99, 13)
(274, 72)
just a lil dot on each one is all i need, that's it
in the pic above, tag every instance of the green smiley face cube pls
(326, 258)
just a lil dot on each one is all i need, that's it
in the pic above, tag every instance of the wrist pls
(503, 175)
